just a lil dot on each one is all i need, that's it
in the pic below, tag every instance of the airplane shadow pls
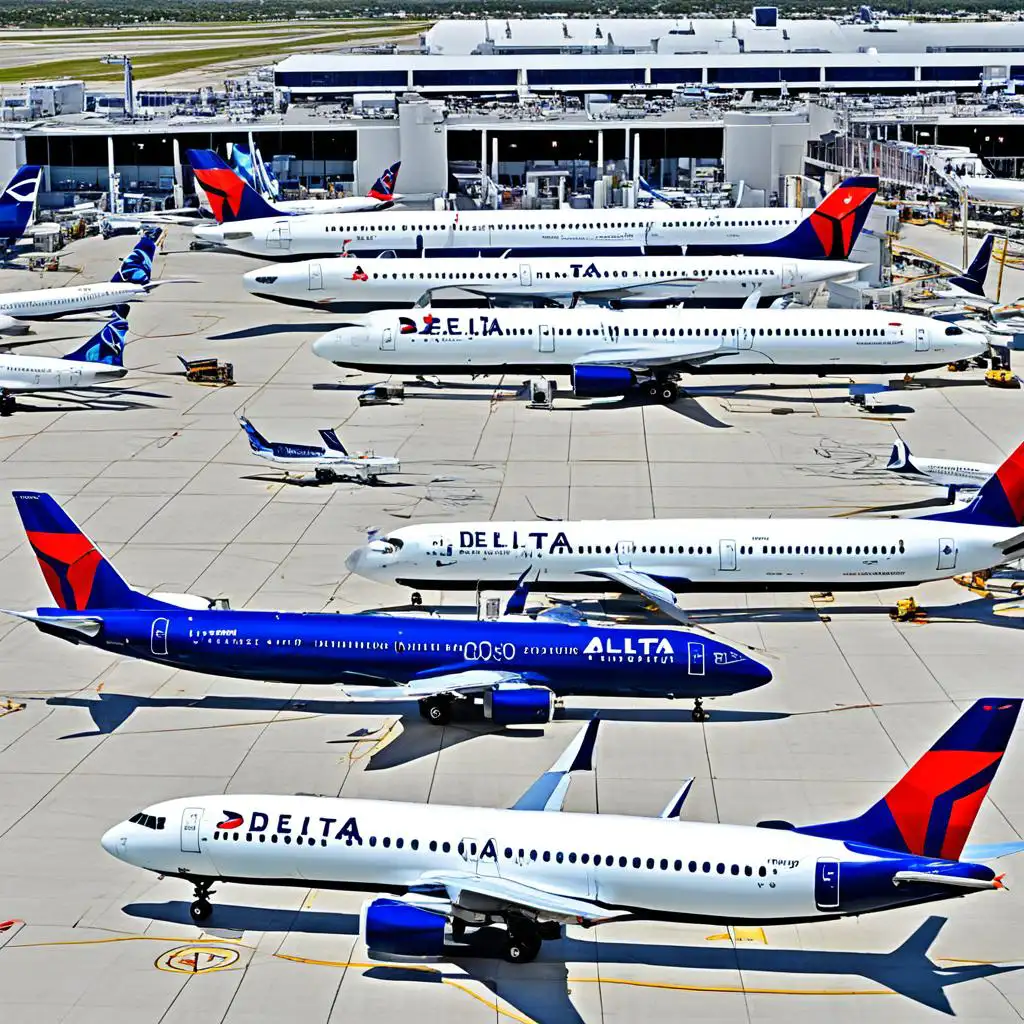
(417, 738)
(311, 481)
(541, 991)
(99, 401)
(264, 330)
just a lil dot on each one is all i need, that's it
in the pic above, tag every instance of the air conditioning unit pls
(542, 393)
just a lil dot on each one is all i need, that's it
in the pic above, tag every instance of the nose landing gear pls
(699, 714)
(201, 907)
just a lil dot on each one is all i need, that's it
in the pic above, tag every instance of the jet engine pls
(400, 928)
(602, 381)
(522, 705)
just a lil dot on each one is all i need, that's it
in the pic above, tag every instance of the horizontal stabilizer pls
(548, 792)
(991, 851)
(86, 625)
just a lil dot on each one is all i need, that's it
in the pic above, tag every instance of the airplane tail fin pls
(972, 280)
(137, 266)
(79, 577)
(230, 197)
(332, 441)
(242, 164)
(18, 201)
(930, 811)
(899, 457)
(384, 186)
(106, 346)
(257, 442)
(831, 230)
(999, 501)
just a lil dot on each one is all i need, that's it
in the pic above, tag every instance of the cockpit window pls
(267, 279)
(951, 331)
(396, 542)
(148, 821)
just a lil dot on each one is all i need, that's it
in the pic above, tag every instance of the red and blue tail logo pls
(384, 187)
(999, 501)
(931, 810)
(231, 199)
(79, 577)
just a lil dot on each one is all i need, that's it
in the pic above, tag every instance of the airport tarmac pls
(157, 471)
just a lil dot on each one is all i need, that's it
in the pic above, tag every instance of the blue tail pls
(231, 199)
(930, 811)
(899, 458)
(999, 501)
(137, 266)
(645, 186)
(972, 280)
(827, 234)
(332, 441)
(79, 577)
(106, 346)
(242, 164)
(384, 186)
(18, 201)
(265, 176)
(257, 442)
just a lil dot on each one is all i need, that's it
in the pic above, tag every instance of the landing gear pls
(524, 940)
(458, 929)
(7, 404)
(698, 714)
(664, 391)
(324, 475)
(416, 600)
(436, 710)
(201, 908)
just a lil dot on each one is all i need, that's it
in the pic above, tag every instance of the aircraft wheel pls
(416, 599)
(667, 392)
(458, 929)
(200, 910)
(698, 714)
(6, 405)
(653, 391)
(436, 710)
(524, 942)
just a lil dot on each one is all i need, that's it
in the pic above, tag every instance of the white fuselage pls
(951, 473)
(363, 466)
(715, 341)
(359, 285)
(20, 373)
(344, 204)
(662, 867)
(993, 190)
(474, 231)
(49, 303)
(684, 554)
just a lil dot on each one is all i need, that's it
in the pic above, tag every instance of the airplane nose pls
(355, 560)
(114, 840)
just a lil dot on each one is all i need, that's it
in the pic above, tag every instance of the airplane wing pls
(649, 356)
(463, 682)
(493, 893)
(548, 792)
(623, 290)
(639, 582)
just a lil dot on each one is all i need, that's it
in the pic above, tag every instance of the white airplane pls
(954, 474)
(215, 178)
(330, 463)
(658, 558)
(252, 226)
(97, 361)
(353, 285)
(612, 352)
(535, 870)
(132, 282)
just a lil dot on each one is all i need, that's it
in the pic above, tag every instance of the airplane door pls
(387, 340)
(695, 657)
(545, 339)
(947, 553)
(788, 275)
(286, 236)
(727, 555)
(921, 340)
(624, 552)
(158, 637)
(744, 338)
(826, 884)
(525, 275)
(190, 819)
(316, 277)
(480, 855)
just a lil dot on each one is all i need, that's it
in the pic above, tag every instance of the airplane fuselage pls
(691, 341)
(325, 648)
(682, 554)
(21, 373)
(950, 473)
(51, 303)
(665, 869)
(355, 285)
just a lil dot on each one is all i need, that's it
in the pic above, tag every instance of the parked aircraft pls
(956, 474)
(99, 360)
(328, 463)
(220, 183)
(132, 282)
(613, 352)
(515, 668)
(659, 558)
(18, 202)
(354, 285)
(534, 870)
(255, 227)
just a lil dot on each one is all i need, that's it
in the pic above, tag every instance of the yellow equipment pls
(1001, 379)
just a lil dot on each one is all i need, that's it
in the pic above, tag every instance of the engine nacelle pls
(602, 381)
(521, 705)
(397, 928)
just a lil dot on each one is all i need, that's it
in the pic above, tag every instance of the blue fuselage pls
(326, 648)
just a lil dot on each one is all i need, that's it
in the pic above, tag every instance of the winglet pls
(548, 792)
(675, 805)
(517, 602)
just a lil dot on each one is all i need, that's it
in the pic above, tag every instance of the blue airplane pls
(516, 669)
(17, 202)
